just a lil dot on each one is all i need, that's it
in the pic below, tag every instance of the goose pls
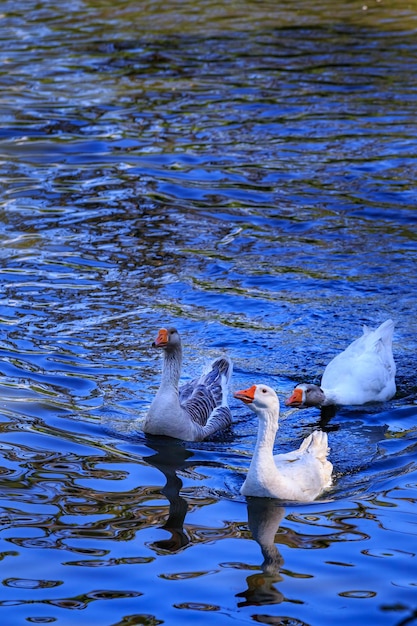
(301, 475)
(364, 372)
(197, 409)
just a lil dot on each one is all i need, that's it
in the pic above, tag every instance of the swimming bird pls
(301, 475)
(197, 409)
(364, 372)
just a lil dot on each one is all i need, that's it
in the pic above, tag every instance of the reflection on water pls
(264, 518)
(170, 456)
(246, 173)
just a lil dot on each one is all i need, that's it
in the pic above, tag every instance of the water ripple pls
(247, 174)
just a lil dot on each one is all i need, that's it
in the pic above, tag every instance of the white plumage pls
(364, 372)
(301, 475)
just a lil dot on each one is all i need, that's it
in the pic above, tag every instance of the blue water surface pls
(247, 174)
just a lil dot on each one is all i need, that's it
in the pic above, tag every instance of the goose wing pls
(205, 396)
(366, 370)
(307, 468)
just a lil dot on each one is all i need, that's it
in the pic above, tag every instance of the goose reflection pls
(171, 456)
(264, 518)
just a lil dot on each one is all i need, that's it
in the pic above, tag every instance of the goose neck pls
(171, 370)
(268, 426)
(330, 396)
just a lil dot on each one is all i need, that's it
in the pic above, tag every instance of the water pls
(247, 173)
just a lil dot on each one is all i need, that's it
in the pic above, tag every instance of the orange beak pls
(246, 395)
(296, 399)
(161, 340)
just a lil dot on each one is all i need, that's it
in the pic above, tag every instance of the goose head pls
(306, 395)
(259, 398)
(167, 339)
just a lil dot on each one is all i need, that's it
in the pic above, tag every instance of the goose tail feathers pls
(223, 367)
(384, 332)
(316, 443)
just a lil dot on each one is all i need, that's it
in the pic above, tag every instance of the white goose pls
(301, 475)
(364, 372)
(197, 409)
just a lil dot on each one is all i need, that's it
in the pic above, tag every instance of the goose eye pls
(264, 390)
